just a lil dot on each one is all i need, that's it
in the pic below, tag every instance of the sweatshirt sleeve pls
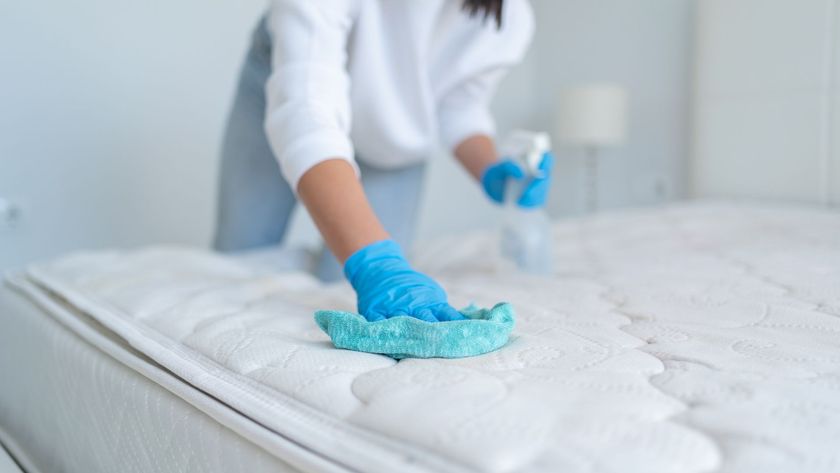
(484, 56)
(308, 106)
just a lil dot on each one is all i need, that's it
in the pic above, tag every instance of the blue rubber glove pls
(497, 176)
(386, 286)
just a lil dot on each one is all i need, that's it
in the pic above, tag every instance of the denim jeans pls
(255, 201)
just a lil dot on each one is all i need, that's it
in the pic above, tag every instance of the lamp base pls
(591, 165)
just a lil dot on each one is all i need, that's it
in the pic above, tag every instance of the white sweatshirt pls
(383, 78)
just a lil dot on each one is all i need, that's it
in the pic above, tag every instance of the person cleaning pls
(339, 104)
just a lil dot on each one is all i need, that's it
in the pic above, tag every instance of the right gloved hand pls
(496, 178)
(386, 286)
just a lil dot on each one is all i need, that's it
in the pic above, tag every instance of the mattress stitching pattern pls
(661, 331)
(206, 374)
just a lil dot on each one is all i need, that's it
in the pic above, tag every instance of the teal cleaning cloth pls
(399, 337)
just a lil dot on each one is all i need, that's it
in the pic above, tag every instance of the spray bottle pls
(526, 232)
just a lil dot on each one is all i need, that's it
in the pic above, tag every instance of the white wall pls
(646, 46)
(108, 138)
(767, 100)
(110, 119)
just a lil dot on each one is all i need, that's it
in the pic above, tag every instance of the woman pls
(404, 73)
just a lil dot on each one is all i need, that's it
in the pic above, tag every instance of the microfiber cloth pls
(483, 331)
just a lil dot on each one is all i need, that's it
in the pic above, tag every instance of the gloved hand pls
(386, 286)
(497, 177)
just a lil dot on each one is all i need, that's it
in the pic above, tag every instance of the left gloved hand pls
(497, 176)
(387, 286)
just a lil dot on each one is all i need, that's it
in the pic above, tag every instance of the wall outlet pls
(9, 213)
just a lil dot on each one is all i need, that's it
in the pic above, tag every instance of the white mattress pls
(691, 338)
(74, 398)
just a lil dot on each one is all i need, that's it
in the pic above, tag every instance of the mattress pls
(75, 398)
(698, 337)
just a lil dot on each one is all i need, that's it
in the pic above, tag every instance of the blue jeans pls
(255, 201)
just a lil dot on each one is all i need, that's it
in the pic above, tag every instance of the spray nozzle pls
(528, 148)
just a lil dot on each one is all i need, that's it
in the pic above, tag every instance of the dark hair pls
(486, 9)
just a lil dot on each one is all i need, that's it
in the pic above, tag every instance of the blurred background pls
(111, 113)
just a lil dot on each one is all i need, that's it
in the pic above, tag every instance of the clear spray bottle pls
(526, 232)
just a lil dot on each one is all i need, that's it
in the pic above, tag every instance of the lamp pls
(592, 116)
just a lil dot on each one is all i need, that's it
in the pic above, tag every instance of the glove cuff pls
(376, 251)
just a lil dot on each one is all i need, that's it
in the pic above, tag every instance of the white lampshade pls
(592, 115)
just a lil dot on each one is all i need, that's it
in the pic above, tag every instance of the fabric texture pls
(419, 70)
(76, 399)
(255, 203)
(400, 337)
(680, 338)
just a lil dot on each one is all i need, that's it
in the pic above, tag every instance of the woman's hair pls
(486, 9)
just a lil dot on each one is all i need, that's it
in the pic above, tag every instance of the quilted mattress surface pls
(698, 337)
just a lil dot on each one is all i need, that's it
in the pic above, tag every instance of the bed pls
(692, 337)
